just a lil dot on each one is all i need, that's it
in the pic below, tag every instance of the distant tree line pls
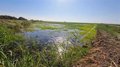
(11, 17)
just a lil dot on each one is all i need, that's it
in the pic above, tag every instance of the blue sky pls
(104, 11)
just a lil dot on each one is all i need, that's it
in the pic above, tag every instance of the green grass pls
(73, 54)
(16, 25)
(89, 34)
(41, 26)
(48, 27)
(44, 58)
(7, 35)
(86, 33)
(112, 29)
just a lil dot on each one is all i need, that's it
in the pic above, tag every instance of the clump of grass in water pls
(44, 26)
(48, 27)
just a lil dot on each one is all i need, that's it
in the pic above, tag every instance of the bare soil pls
(105, 52)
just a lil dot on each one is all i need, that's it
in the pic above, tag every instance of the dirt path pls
(105, 52)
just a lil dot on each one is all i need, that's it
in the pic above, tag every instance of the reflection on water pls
(47, 36)
(61, 38)
(52, 36)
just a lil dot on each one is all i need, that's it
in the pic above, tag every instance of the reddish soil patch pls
(105, 52)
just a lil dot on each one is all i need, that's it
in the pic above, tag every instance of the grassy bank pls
(112, 29)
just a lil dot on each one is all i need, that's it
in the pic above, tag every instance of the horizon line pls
(58, 20)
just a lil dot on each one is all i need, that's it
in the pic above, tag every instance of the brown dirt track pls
(104, 53)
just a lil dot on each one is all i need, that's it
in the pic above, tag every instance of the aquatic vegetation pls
(46, 26)
(86, 33)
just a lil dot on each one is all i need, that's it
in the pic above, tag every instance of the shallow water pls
(49, 36)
